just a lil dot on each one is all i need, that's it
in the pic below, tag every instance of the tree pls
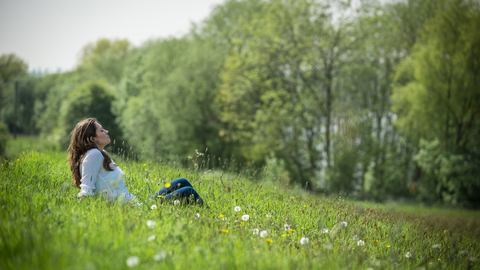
(439, 107)
(105, 59)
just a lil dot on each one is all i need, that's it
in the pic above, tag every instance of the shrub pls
(4, 136)
(92, 99)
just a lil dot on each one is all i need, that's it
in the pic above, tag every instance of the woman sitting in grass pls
(95, 173)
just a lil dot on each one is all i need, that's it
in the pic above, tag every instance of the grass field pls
(44, 226)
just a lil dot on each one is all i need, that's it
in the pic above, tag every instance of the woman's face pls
(102, 138)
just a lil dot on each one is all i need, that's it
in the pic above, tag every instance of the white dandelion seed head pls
(360, 243)
(153, 207)
(176, 202)
(151, 223)
(328, 246)
(436, 246)
(133, 261)
(268, 215)
(160, 256)
(197, 215)
(245, 217)
(263, 234)
(304, 241)
(237, 208)
(375, 263)
(256, 231)
(324, 230)
(408, 255)
(223, 218)
(151, 238)
(343, 223)
(355, 237)
(287, 227)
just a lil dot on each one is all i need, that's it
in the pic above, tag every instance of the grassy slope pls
(43, 225)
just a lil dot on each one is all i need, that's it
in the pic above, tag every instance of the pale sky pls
(49, 34)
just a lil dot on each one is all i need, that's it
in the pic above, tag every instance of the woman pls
(95, 173)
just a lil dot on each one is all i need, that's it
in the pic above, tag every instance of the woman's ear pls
(92, 139)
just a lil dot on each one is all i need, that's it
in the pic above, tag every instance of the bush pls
(4, 136)
(92, 99)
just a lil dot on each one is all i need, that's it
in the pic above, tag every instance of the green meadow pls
(43, 225)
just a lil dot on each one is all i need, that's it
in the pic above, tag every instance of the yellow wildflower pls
(221, 215)
(256, 251)
(144, 164)
(285, 234)
(291, 230)
(225, 231)
(444, 231)
(269, 240)
(167, 185)
(376, 241)
(388, 246)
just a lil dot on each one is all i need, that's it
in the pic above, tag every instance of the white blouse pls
(95, 180)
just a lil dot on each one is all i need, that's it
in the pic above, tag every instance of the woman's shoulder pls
(94, 153)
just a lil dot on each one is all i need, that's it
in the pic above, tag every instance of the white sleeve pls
(90, 167)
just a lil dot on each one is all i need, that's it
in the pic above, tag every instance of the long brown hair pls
(80, 144)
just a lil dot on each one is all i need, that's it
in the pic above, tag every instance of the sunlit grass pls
(43, 225)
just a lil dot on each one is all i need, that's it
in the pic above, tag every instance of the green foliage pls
(105, 59)
(4, 137)
(440, 106)
(92, 99)
(11, 67)
(452, 176)
(169, 93)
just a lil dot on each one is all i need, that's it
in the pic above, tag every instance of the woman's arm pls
(90, 167)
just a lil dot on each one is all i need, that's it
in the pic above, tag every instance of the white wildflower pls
(324, 230)
(151, 223)
(197, 215)
(151, 238)
(223, 218)
(436, 246)
(256, 231)
(360, 243)
(408, 255)
(287, 227)
(160, 256)
(245, 217)
(343, 223)
(176, 202)
(237, 208)
(304, 240)
(133, 261)
(375, 263)
(263, 234)
(268, 215)
(153, 207)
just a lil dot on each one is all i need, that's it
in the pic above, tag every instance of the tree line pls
(370, 100)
